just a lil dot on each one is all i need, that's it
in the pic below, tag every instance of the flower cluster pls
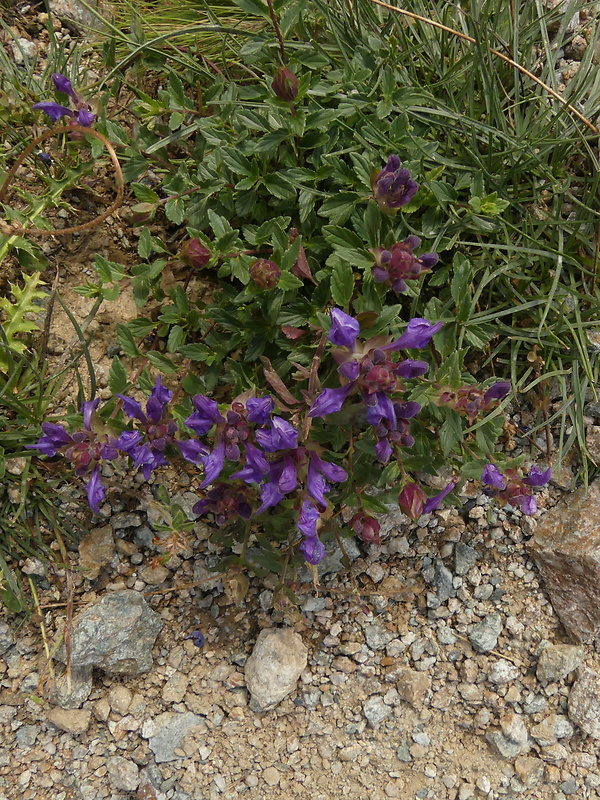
(265, 274)
(392, 186)
(397, 264)
(85, 449)
(368, 369)
(509, 487)
(80, 111)
(470, 401)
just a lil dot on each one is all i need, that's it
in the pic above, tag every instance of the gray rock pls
(96, 551)
(512, 739)
(375, 710)
(143, 538)
(557, 661)
(503, 671)
(6, 638)
(115, 634)
(274, 666)
(536, 705)
(442, 581)
(27, 734)
(402, 752)
(125, 520)
(187, 500)
(123, 773)
(465, 557)
(71, 691)
(566, 550)
(446, 636)
(378, 637)
(170, 731)
(76, 15)
(584, 702)
(484, 635)
(30, 683)
(24, 50)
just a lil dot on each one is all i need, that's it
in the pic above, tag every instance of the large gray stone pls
(566, 550)
(484, 635)
(584, 702)
(170, 730)
(557, 660)
(116, 635)
(274, 666)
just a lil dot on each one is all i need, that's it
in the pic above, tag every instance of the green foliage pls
(16, 317)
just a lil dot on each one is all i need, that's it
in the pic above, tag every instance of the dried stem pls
(13, 230)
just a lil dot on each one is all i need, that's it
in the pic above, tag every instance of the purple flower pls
(196, 637)
(537, 478)
(63, 85)
(318, 472)
(279, 436)
(193, 451)
(213, 464)
(383, 451)
(434, 502)
(398, 264)
(95, 490)
(496, 392)
(417, 335)
(55, 437)
(206, 415)
(330, 400)
(270, 496)
(53, 110)
(344, 329)
(492, 476)
(529, 505)
(312, 547)
(393, 186)
(255, 468)
(259, 409)
(411, 369)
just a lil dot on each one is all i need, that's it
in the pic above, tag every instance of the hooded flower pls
(312, 548)
(398, 264)
(80, 112)
(84, 448)
(393, 187)
(509, 487)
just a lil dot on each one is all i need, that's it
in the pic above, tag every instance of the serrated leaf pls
(141, 327)
(339, 207)
(337, 236)
(175, 210)
(237, 162)
(451, 432)
(126, 340)
(144, 193)
(161, 362)
(342, 285)
(117, 376)
(197, 352)
(176, 338)
(287, 281)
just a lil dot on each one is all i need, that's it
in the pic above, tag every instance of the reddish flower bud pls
(285, 84)
(366, 527)
(411, 500)
(194, 254)
(265, 274)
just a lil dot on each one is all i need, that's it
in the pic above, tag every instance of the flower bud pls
(265, 274)
(194, 254)
(285, 84)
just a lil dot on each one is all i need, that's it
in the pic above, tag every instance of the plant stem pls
(277, 30)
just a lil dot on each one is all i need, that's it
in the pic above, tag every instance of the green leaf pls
(197, 352)
(342, 237)
(161, 362)
(141, 327)
(342, 285)
(175, 210)
(279, 187)
(176, 338)
(127, 341)
(256, 7)
(144, 193)
(237, 163)
(117, 376)
(177, 98)
(339, 207)
(451, 432)
(287, 281)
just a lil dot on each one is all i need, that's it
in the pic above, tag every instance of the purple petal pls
(128, 439)
(417, 335)
(87, 409)
(193, 451)
(85, 117)
(55, 437)
(196, 637)
(434, 502)
(53, 110)
(280, 436)
(316, 485)
(214, 464)
(350, 370)
(344, 329)
(383, 451)
(132, 408)
(161, 393)
(313, 550)
(270, 496)
(307, 522)
(259, 409)
(95, 491)
(256, 466)
(529, 505)
(288, 479)
(411, 369)
(407, 410)
(331, 471)
(64, 85)
(492, 476)
(380, 275)
(429, 260)
(496, 392)
(382, 409)
(330, 400)
(537, 478)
